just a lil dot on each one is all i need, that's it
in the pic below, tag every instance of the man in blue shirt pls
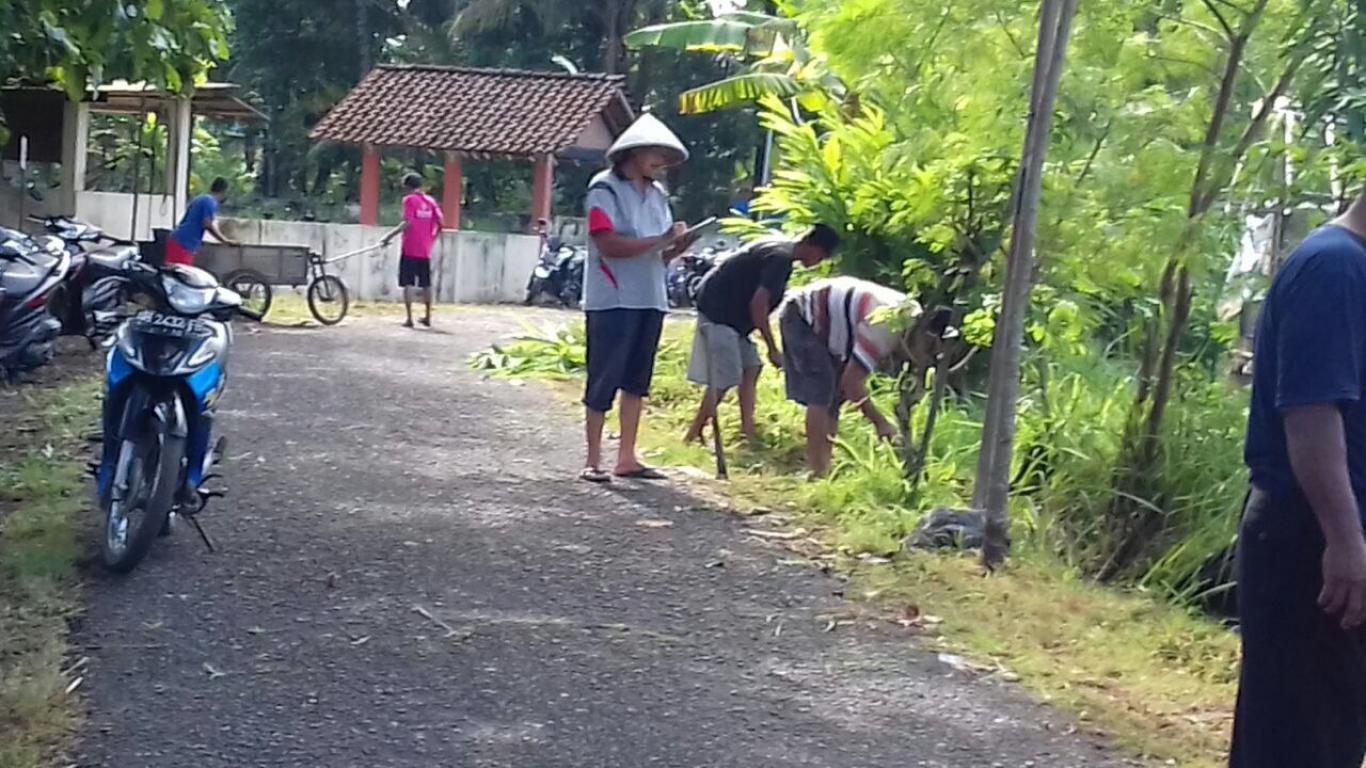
(200, 217)
(1302, 550)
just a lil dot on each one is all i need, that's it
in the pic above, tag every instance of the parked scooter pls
(686, 274)
(30, 272)
(558, 275)
(165, 373)
(90, 302)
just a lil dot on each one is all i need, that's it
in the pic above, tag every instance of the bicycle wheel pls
(254, 289)
(328, 299)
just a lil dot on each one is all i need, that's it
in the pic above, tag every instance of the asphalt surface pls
(409, 574)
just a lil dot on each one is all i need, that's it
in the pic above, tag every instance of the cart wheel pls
(328, 299)
(254, 289)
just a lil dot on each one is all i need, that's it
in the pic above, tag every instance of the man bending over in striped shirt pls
(831, 342)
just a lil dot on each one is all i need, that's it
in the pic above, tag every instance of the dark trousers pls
(621, 354)
(1302, 694)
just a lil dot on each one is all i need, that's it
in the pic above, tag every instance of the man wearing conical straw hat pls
(633, 237)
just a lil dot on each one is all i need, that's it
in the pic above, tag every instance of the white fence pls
(467, 267)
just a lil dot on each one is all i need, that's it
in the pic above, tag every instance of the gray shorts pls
(730, 354)
(812, 374)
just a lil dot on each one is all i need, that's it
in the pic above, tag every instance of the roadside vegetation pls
(42, 495)
(1133, 661)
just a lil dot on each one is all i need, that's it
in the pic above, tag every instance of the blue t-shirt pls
(1311, 350)
(190, 233)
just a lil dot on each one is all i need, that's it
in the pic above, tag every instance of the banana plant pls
(779, 61)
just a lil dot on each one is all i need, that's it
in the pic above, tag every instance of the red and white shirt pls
(841, 311)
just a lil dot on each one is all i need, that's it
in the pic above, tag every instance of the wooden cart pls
(252, 270)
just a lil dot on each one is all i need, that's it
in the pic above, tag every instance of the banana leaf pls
(734, 91)
(715, 36)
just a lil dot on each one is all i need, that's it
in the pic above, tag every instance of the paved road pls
(409, 577)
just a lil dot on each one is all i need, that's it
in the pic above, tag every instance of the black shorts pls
(811, 374)
(621, 354)
(414, 273)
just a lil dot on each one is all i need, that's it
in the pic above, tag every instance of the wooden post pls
(181, 138)
(369, 186)
(452, 191)
(75, 139)
(992, 492)
(542, 188)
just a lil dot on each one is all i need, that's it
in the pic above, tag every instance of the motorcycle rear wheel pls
(132, 522)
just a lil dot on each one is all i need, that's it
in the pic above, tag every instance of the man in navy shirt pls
(1302, 551)
(200, 217)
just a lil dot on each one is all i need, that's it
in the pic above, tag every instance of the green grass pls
(41, 497)
(1129, 662)
(288, 308)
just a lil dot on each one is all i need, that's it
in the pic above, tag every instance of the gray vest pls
(635, 283)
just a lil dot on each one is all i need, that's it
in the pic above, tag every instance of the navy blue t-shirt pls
(1311, 350)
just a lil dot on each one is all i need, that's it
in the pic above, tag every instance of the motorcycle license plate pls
(162, 324)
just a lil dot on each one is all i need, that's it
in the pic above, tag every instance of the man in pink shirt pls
(422, 222)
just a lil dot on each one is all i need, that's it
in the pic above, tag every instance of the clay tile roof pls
(476, 112)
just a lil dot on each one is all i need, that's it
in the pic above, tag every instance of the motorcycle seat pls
(112, 260)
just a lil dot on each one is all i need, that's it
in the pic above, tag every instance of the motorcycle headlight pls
(126, 346)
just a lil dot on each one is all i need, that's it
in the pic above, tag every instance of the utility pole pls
(991, 493)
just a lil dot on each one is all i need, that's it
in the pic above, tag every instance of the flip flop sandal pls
(591, 475)
(644, 473)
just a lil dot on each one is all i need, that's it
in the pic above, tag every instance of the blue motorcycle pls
(165, 371)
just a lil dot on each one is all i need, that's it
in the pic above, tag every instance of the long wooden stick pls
(714, 395)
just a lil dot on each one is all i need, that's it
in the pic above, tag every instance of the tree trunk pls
(615, 19)
(998, 434)
(1135, 510)
(363, 37)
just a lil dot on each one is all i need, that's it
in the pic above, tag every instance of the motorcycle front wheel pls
(254, 289)
(140, 497)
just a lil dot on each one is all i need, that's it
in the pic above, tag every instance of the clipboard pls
(696, 228)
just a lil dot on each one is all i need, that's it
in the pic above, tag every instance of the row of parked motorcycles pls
(558, 276)
(67, 282)
(167, 331)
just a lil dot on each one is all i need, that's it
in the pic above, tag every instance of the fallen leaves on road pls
(774, 535)
(213, 672)
(451, 632)
(960, 664)
(655, 523)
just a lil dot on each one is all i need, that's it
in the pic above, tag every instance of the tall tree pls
(609, 20)
(76, 45)
(1228, 137)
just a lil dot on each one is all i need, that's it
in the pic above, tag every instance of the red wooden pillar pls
(369, 186)
(542, 188)
(452, 192)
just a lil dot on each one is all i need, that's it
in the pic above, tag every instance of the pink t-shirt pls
(424, 223)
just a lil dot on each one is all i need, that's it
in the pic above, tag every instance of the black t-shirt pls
(1311, 350)
(730, 286)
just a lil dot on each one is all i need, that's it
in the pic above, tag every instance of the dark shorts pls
(1302, 693)
(414, 272)
(812, 374)
(621, 354)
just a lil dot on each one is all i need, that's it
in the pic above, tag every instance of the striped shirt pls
(840, 311)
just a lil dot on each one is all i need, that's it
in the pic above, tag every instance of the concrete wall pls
(113, 213)
(16, 204)
(467, 267)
